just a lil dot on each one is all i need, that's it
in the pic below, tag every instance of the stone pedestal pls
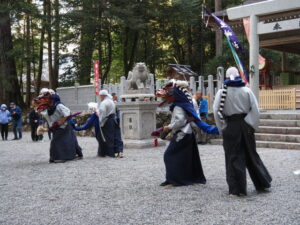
(142, 94)
(137, 121)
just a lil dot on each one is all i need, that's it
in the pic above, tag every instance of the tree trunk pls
(109, 54)
(133, 50)
(9, 86)
(87, 43)
(179, 51)
(28, 60)
(201, 48)
(190, 44)
(125, 50)
(146, 37)
(22, 61)
(56, 42)
(49, 40)
(100, 54)
(33, 52)
(41, 52)
(219, 34)
(128, 63)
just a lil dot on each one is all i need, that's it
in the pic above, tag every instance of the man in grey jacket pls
(237, 116)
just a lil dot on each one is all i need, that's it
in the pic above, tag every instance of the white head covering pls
(103, 92)
(3, 106)
(93, 106)
(51, 91)
(44, 90)
(232, 73)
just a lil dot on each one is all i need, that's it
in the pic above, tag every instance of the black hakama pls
(110, 138)
(240, 152)
(182, 161)
(64, 144)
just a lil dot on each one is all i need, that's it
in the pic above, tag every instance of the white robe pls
(239, 100)
(106, 108)
(179, 121)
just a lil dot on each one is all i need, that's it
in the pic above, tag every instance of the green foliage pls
(121, 33)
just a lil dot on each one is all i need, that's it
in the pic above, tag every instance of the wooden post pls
(201, 85)
(192, 85)
(122, 85)
(76, 91)
(220, 77)
(158, 84)
(254, 54)
(110, 88)
(152, 83)
(211, 90)
(283, 62)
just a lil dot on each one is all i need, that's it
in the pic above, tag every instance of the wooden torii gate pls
(274, 24)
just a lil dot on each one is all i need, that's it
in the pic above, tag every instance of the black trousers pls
(33, 132)
(64, 145)
(113, 141)
(40, 137)
(182, 161)
(17, 129)
(4, 131)
(240, 153)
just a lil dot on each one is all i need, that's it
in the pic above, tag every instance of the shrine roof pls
(279, 38)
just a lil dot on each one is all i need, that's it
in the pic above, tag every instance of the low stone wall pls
(162, 118)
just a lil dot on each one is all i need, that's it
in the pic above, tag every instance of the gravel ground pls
(126, 191)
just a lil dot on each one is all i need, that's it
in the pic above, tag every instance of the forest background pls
(57, 41)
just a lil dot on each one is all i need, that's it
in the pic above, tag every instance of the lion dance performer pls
(93, 121)
(64, 145)
(237, 116)
(182, 160)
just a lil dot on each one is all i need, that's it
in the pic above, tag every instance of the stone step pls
(279, 123)
(278, 130)
(278, 138)
(267, 144)
(280, 116)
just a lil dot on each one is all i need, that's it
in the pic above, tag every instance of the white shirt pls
(60, 112)
(179, 121)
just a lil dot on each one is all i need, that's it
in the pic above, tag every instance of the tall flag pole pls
(233, 43)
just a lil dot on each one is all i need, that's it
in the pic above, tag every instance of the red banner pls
(97, 76)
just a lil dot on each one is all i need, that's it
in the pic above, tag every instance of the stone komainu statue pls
(138, 78)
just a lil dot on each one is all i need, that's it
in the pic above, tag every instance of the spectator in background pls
(41, 130)
(203, 106)
(115, 97)
(34, 118)
(93, 121)
(4, 120)
(202, 112)
(16, 114)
